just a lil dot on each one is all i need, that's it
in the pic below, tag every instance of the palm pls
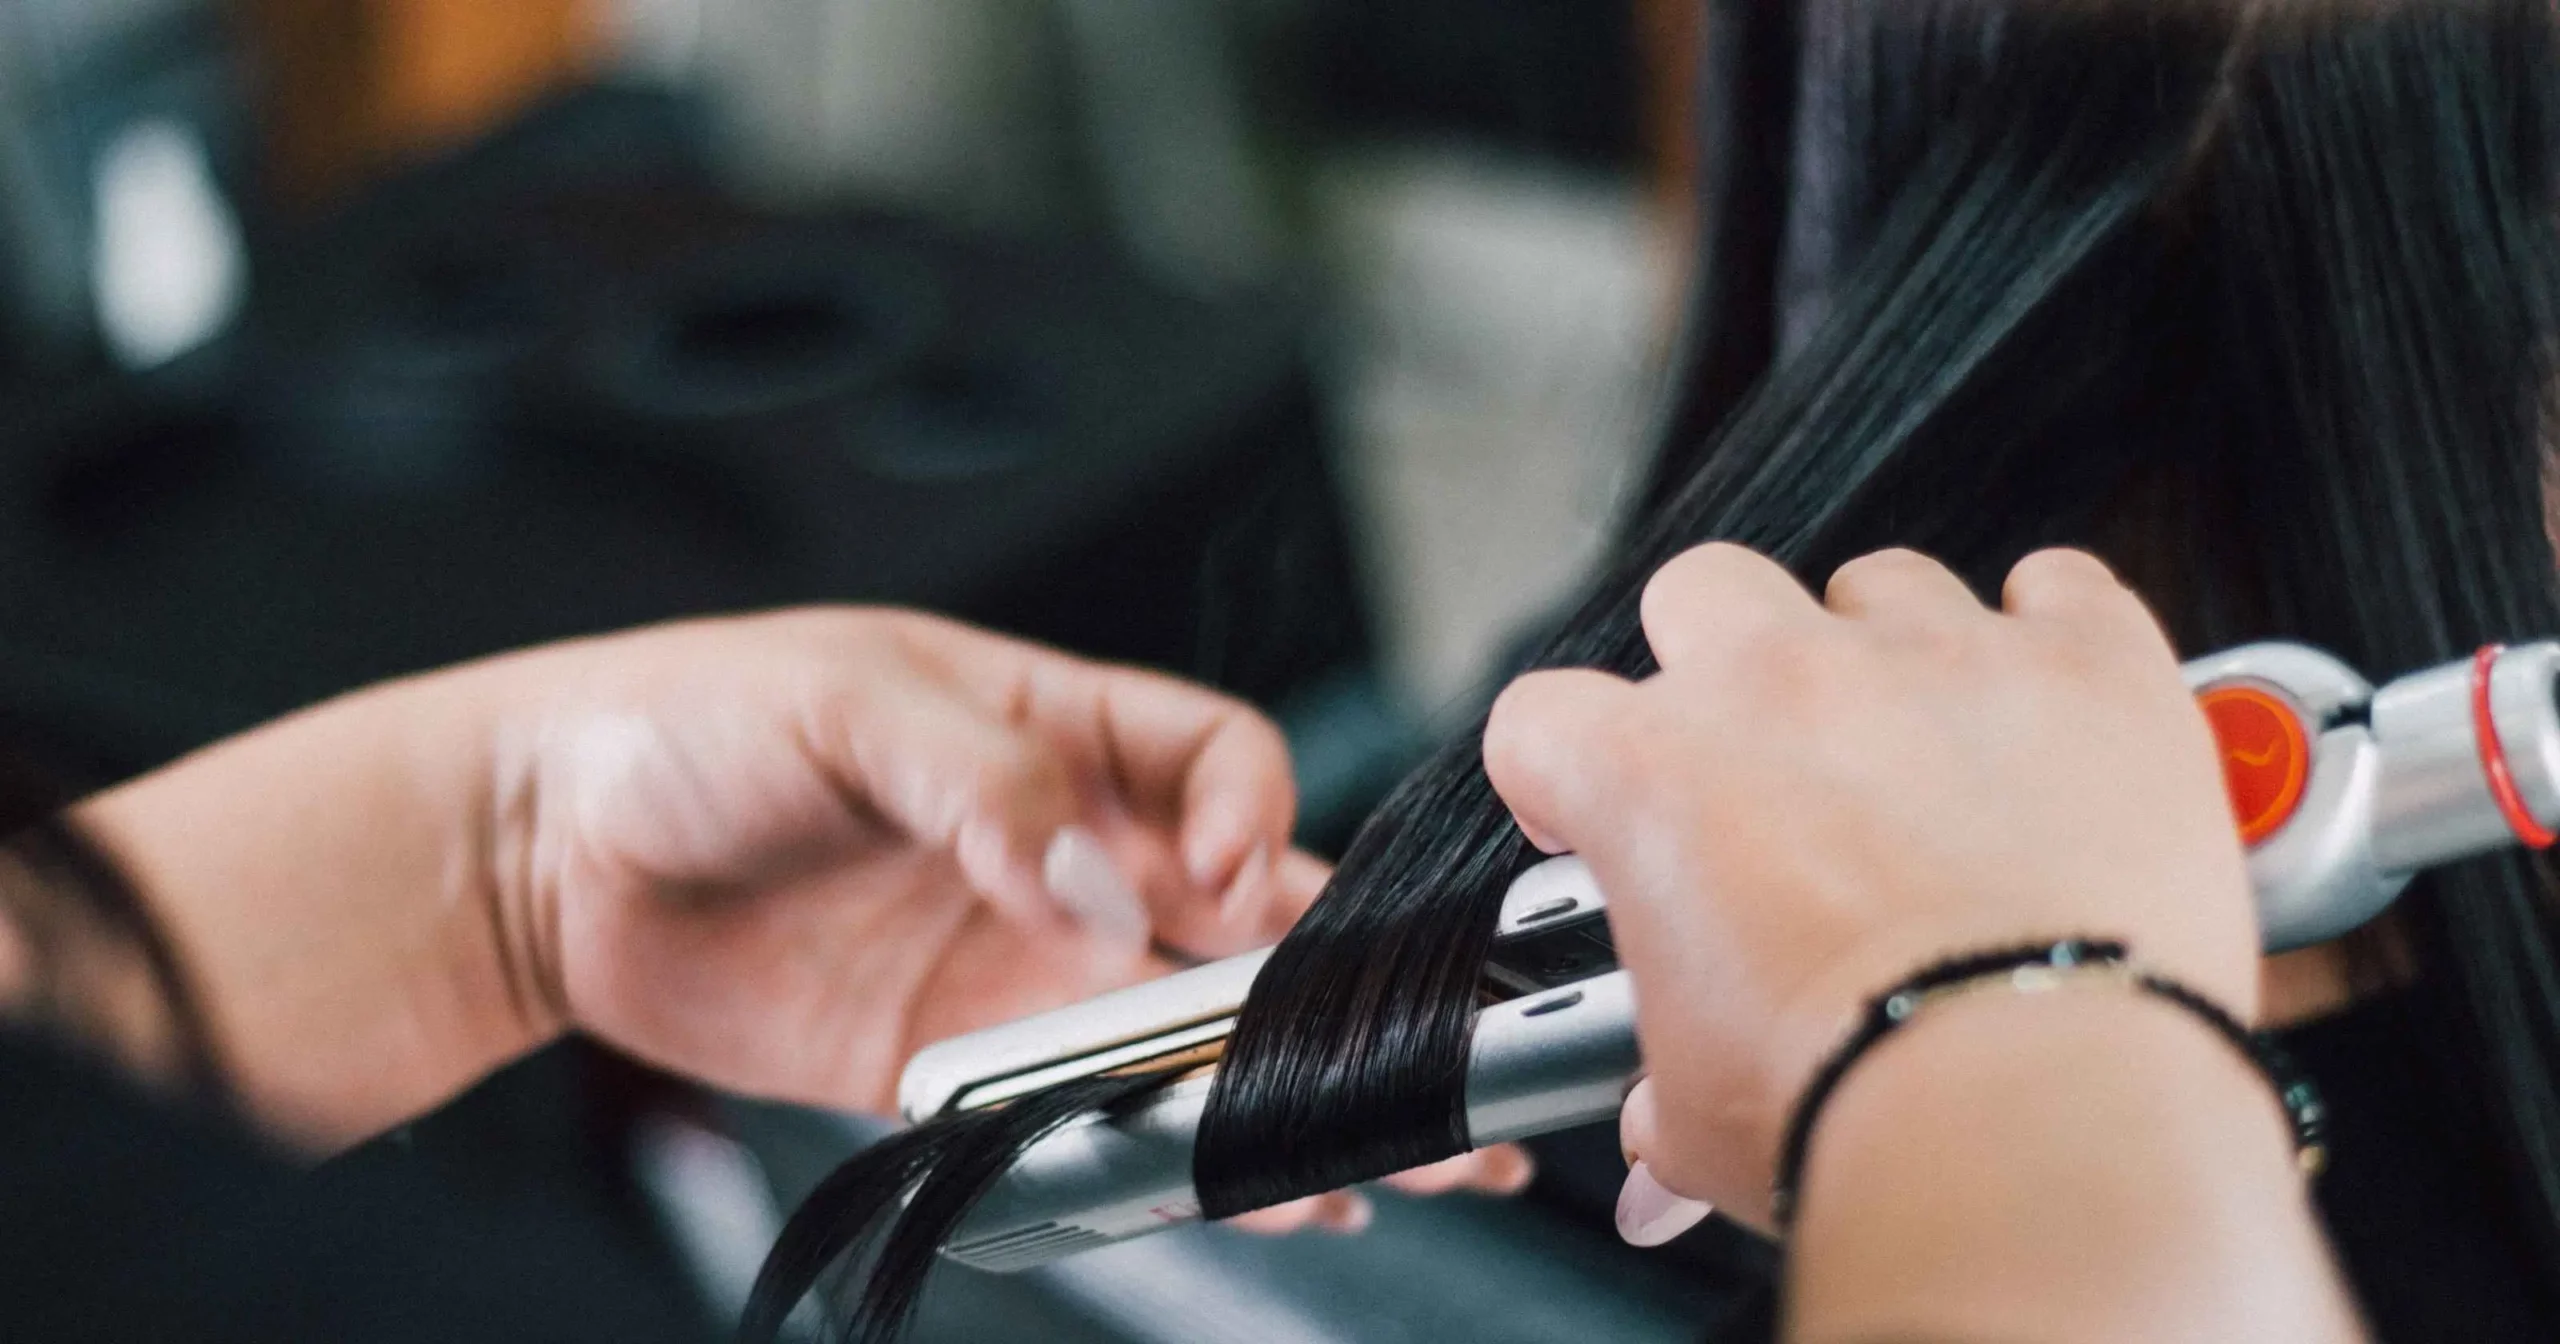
(726, 909)
(814, 990)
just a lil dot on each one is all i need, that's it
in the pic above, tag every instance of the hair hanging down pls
(2253, 299)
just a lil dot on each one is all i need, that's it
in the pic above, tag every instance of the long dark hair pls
(2254, 299)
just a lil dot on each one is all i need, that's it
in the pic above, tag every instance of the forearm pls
(2068, 1167)
(325, 881)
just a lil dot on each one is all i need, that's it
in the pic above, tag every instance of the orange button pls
(2265, 756)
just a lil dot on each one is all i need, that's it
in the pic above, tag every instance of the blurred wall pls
(80, 25)
(88, 88)
(956, 106)
(1496, 370)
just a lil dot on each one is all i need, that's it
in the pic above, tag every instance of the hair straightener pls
(2341, 791)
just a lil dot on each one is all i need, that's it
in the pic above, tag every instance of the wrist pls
(2069, 965)
(489, 957)
(325, 885)
(2060, 1053)
(2087, 1165)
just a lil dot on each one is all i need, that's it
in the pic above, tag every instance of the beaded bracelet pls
(2032, 969)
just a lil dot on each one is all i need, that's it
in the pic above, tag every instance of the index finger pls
(1211, 765)
(1549, 749)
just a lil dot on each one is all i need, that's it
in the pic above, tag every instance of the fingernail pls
(1649, 1215)
(1084, 879)
(1251, 879)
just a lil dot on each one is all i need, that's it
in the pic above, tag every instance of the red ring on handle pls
(2493, 756)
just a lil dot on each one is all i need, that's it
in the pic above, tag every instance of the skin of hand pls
(1812, 800)
(774, 853)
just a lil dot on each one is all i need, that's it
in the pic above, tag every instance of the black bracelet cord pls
(2027, 968)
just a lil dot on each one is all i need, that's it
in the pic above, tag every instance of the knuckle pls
(1666, 595)
(1892, 562)
(1785, 668)
(1703, 562)
(1506, 758)
(2064, 574)
(1521, 727)
(1004, 773)
(2122, 642)
(1621, 743)
(1518, 705)
(2129, 618)
(1937, 647)
(2062, 659)
(1255, 734)
(1688, 576)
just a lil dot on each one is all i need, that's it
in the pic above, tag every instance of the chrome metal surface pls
(2434, 805)
(1535, 894)
(1535, 1068)
(1091, 1183)
(1096, 1181)
(2434, 800)
(1553, 930)
(2316, 878)
(2317, 682)
(2527, 712)
(1110, 1031)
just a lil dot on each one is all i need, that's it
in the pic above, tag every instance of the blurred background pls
(1298, 346)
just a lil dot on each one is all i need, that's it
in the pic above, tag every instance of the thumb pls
(1003, 802)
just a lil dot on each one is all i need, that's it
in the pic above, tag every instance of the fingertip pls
(1349, 1213)
(1527, 719)
(1250, 892)
(2057, 578)
(1278, 1220)
(1897, 583)
(1438, 1178)
(1240, 795)
(1297, 880)
(1341, 1211)
(1216, 838)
